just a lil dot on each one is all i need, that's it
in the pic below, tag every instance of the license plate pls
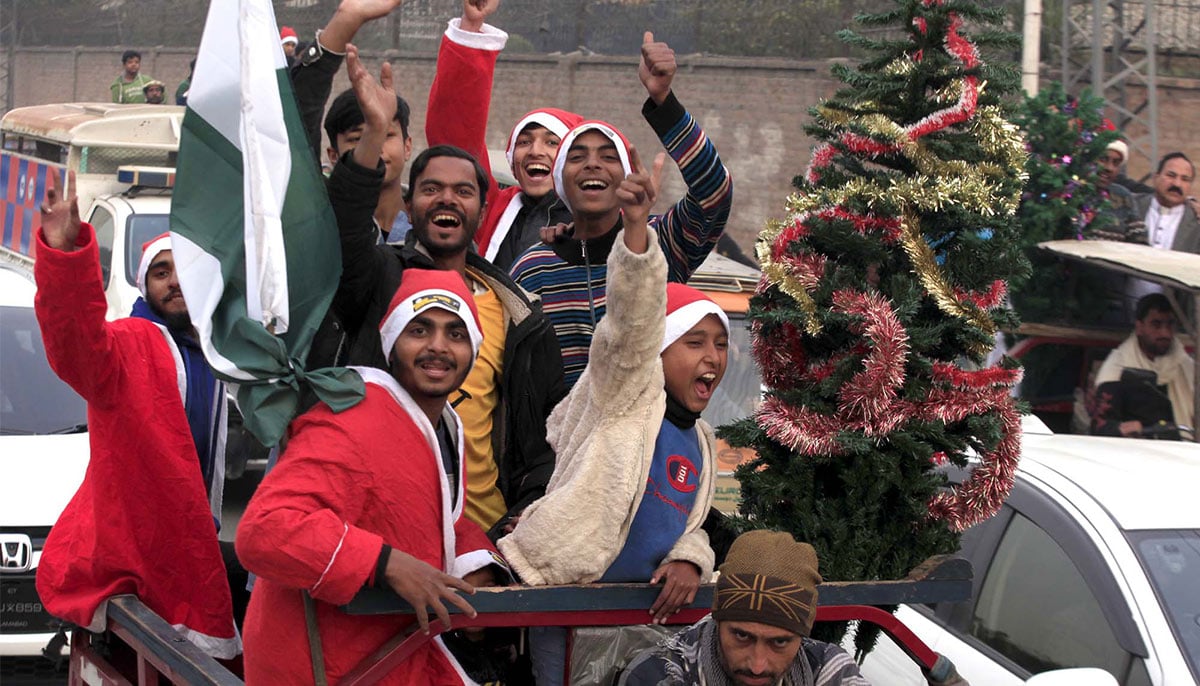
(21, 610)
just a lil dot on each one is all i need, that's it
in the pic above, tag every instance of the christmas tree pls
(1065, 138)
(882, 293)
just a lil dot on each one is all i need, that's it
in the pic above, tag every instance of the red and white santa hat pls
(150, 250)
(605, 128)
(424, 289)
(288, 35)
(686, 306)
(558, 122)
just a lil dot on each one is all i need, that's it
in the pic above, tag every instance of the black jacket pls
(531, 381)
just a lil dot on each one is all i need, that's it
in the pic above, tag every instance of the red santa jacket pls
(459, 100)
(140, 522)
(347, 484)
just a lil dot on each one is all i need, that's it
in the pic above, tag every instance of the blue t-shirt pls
(663, 513)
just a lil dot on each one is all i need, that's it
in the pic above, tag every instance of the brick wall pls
(753, 109)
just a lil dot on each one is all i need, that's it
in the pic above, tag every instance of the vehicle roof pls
(16, 287)
(1167, 267)
(99, 124)
(1143, 484)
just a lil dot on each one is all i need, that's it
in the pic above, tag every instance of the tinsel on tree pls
(881, 296)
(1065, 138)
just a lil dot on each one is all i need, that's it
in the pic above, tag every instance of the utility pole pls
(1112, 46)
(8, 53)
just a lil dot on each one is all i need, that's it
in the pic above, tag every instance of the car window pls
(1172, 561)
(33, 400)
(740, 390)
(102, 221)
(1038, 624)
(139, 229)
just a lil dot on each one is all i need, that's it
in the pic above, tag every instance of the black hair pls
(1154, 302)
(1175, 156)
(421, 161)
(345, 114)
(129, 54)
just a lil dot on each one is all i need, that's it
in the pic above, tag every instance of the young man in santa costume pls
(457, 114)
(635, 473)
(156, 425)
(344, 510)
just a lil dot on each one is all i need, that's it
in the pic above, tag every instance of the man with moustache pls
(1169, 214)
(517, 380)
(144, 521)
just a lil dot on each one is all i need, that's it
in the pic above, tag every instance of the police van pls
(123, 157)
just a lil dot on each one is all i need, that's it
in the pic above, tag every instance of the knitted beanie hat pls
(1121, 147)
(288, 35)
(609, 131)
(423, 289)
(558, 122)
(686, 306)
(150, 250)
(768, 578)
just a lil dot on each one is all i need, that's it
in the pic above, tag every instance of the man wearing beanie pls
(458, 114)
(635, 472)
(1116, 216)
(144, 521)
(343, 510)
(757, 634)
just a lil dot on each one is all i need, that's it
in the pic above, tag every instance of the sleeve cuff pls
(490, 38)
(476, 560)
(662, 118)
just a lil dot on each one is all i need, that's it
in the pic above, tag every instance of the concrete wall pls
(753, 109)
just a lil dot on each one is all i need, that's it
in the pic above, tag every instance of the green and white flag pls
(254, 238)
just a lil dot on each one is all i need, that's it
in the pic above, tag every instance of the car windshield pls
(32, 399)
(1172, 561)
(139, 229)
(740, 390)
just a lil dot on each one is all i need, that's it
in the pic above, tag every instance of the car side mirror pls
(1081, 676)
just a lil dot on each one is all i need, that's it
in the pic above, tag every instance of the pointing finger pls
(656, 176)
(647, 38)
(385, 75)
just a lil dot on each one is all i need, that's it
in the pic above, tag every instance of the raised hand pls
(637, 194)
(378, 103)
(680, 582)
(475, 14)
(425, 587)
(366, 10)
(657, 69)
(60, 215)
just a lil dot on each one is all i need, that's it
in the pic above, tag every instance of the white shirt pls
(1162, 223)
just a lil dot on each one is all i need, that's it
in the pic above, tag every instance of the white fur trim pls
(148, 255)
(564, 147)
(472, 561)
(1121, 147)
(458, 669)
(551, 122)
(490, 38)
(683, 319)
(219, 648)
(503, 226)
(290, 39)
(398, 318)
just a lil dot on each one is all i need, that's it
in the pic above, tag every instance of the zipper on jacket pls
(587, 266)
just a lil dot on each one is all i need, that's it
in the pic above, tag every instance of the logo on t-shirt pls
(681, 471)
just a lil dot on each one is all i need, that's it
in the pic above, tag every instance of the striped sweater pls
(570, 276)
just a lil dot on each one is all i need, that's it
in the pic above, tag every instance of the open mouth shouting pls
(704, 385)
(446, 218)
(537, 171)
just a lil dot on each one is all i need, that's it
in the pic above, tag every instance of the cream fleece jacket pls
(603, 434)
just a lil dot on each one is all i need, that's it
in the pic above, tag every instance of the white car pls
(43, 457)
(1093, 562)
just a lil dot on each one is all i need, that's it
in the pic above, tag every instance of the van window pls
(740, 390)
(1038, 625)
(140, 228)
(101, 160)
(102, 220)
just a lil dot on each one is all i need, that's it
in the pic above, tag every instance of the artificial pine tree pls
(1065, 138)
(882, 291)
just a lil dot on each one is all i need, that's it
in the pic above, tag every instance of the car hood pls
(41, 474)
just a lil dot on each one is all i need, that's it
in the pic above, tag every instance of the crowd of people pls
(535, 370)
